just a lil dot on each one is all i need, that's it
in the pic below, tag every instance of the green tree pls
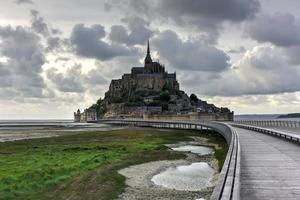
(164, 106)
(194, 98)
(116, 100)
(167, 87)
(100, 107)
(165, 96)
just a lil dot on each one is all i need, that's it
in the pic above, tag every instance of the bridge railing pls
(228, 186)
(270, 123)
(288, 136)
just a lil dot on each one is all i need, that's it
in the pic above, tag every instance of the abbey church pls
(150, 77)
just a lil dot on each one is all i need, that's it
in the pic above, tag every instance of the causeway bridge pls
(263, 159)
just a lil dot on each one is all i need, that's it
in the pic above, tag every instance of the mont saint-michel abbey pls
(150, 92)
(150, 77)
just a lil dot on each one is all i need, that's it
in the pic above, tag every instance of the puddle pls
(201, 150)
(193, 177)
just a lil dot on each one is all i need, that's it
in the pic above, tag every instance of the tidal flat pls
(85, 165)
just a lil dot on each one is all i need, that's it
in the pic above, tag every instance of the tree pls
(194, 98)
(165, 96)
(100, 107)
(167, 87)
(164, 106)
(116, 100)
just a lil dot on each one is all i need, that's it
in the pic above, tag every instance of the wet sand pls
(140, 184)
(13, 132)
(192, 177)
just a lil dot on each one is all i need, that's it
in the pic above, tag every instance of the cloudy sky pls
(57, 56)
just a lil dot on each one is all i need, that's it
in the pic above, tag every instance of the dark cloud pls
(138, 32)
(279, 29)
(262, 70)
(95, 77)
(69, 81)
(21, 73)
(24, 2)
(190, 54)
(88, 42)
(141, 6)
(74, 80)
(58, 44)
(54, 41)
(292, 54)
(206, 15)
(190, 10)
(38, 24)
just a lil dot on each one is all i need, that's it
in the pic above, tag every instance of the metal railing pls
(270, 123)
(228, 186)
(288, 136)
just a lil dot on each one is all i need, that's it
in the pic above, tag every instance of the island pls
(150, 92)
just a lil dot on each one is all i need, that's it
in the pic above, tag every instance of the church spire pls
(148, 47)
(148, 59)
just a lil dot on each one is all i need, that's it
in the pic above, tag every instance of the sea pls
(263, 117)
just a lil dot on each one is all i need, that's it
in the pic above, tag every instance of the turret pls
(77, 116)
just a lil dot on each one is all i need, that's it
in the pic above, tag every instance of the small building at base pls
(88, 115)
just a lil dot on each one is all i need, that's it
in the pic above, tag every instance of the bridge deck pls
(270, 167)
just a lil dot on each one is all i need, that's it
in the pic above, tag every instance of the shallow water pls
(201, 150)
(193, 177)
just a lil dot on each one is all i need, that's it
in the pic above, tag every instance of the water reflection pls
(193, 177)
(201, 150)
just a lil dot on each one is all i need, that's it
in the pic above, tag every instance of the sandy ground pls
(140, 186)
(26, 133)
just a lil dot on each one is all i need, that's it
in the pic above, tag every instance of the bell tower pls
(148, 59)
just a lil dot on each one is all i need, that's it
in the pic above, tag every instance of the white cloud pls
(262, 70)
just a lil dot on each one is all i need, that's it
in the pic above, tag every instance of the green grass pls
(85, 165)
(220, 152)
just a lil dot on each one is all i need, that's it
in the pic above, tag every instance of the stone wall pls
(142, 79)
(153, 82)
(192, 116)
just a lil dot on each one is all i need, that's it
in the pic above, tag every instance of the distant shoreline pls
(290, 115)
(263, 117)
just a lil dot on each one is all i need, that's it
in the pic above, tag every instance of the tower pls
(148, 59)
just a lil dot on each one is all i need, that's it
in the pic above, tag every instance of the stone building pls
(152, 76)
(77, 116)
(88, 115)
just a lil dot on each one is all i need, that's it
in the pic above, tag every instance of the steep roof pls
(148, 58)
